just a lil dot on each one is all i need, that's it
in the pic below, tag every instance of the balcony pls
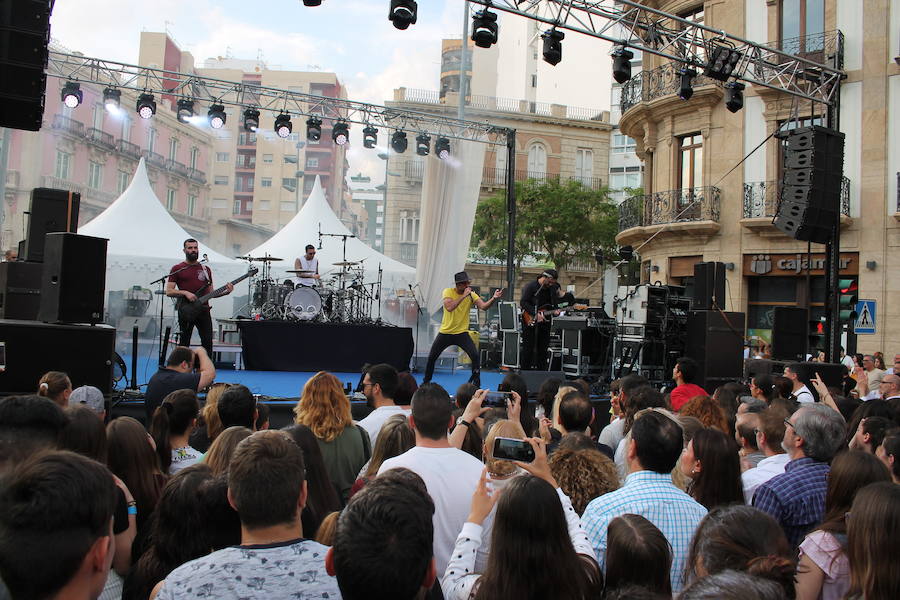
(198, 176)
(95, 197)
(647, 86)
(154, 159)
(100, 138)
(129, 149)
(67, 125)
(687, 210)
(177, 167)
(492, 177)
(761, 203)
(415, 170)
(824, 48)
(409, 253)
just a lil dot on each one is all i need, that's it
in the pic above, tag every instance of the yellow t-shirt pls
(456, 321)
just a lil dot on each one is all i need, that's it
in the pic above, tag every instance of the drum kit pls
(344, 297)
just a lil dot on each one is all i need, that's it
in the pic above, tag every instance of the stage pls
(304, 346)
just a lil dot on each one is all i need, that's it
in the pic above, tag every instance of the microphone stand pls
(415, 365)
(162, 336)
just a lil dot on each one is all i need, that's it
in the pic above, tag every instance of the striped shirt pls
(653, 496)
(796, 498)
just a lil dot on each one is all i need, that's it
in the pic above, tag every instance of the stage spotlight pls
(71, 94)
(251, 119)
(146, 106)
(340, 133)
(553, 46)
(403, 13)
(442, 148)
(314, 129)
(423, 144)
(185, 109)
(370, 136)
(686, 90)
(217, 116)
(484, 28)
(283, 125)
(734, 96)
(622, 64)
(722, 62)
(112, 99)
(399, 142)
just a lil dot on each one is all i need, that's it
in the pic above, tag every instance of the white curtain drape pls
(449, 200)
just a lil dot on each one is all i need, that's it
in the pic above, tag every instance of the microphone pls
(409, 285)
(205, 258)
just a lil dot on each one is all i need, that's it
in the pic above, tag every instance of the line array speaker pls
(24, 35)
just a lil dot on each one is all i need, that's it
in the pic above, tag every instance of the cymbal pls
(346, 263)
(259, 258)
(302, 273)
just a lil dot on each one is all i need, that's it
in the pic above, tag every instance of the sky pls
(352, 38)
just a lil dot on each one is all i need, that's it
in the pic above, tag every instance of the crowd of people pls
(758, 491)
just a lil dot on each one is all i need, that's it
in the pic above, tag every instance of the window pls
(191, 205)
(500, 169)
(584, 165)
(151, 139)
(126, 128)
(97, 118)
(170, 199)
(246, 139)
(173, 149)
(290, 159)
(690, 168)
(537, 160)
(622, 144)
(63, 160)
(288, 206)
(220, 203)
(802, 23)
(222, 157)
(122, 180)
(289, 183)
(409, 226)
(220, 180)
(694, 14)
(379, 208)
(621, 178)
(237, 206)
(266, 182)
(264, 205)
(195, 152)
(267, 158)
(312, 162)
(95, 175)
(534, 80)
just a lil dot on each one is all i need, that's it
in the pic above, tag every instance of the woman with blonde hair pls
(501, 472)
(395, 438)
(56, 386)
(220, 451)
(325, 409)
(209, 425)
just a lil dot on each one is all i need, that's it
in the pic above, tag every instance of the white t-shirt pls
(183, 457)
(612, 433)
(375, 419)
(804, 395)
(451, 477)
(761, 473)
(307, 265)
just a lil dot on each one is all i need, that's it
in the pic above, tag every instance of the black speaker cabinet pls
(511, 347)
(535, 379)
(709, 285)
(831, 373)
(24, 35)
(74, 281)
(20, 290)
(762, 366)
(789, 333)
(51, 211)
(31, 348)
(716, 341)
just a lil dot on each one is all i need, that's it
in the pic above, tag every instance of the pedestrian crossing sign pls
(865, 317)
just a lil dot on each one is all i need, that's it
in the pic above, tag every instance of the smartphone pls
(496, 399)
(513, 449)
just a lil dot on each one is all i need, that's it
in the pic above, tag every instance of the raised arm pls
(486, 305)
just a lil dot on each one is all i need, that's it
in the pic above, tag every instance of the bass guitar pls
(189, 311)
(530, 319)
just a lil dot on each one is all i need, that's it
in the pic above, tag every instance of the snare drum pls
(303, 304)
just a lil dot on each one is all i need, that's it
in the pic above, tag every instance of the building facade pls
(702, 203)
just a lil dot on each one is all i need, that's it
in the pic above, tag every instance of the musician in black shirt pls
(539, 302)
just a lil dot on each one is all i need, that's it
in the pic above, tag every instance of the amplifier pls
(511, 347)
(20, 290)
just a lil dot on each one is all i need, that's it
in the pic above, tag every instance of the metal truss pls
(161, 82)
(811, 73)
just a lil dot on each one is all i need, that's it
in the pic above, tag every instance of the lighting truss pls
(203, 89)
(628, 23)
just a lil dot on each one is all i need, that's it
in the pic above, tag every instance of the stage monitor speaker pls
(509, 316)
(24, 36)
(535, 379)
(20, 290)
(74, 282)
(810, 200)
(511, 346)
(709, 286)
(789, 333)
(716, 341)
(51, 211)
(831, 373)
(32, 348)
(762, 366)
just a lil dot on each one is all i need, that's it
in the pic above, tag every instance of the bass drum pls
(303, 304)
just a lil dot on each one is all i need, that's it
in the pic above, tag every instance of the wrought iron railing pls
(671, 206)
(100, 138)
(415, 170)
(85, 191)
(656, 83)
(64, 123)
(129, 149)
(155, 159)
(822, 47)
(494, 177)
(761, 198)
(177, 167)
(197, 175)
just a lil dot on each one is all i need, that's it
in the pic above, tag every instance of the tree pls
(557, 222)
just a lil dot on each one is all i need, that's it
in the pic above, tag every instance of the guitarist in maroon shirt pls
(188, 281)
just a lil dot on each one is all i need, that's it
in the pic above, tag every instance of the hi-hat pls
(345, 263)
(259, 258)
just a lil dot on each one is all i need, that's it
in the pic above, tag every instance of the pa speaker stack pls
(810, 203)
(24, 35)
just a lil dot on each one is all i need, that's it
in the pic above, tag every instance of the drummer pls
(308, 262)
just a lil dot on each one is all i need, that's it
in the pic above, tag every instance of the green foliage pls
(556, 221)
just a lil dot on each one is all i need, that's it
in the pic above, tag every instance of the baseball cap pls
(461, 277)
(551, 273)
(89, 396)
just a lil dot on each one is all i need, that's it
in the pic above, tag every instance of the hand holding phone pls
(496, 399)
(539, 467)
(513, 449)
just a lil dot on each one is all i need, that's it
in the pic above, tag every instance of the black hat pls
(462, 277)
(551, 273)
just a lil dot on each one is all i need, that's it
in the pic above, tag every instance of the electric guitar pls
(530, 319)
(189, 311)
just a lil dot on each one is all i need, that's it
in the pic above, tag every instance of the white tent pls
(315, 216)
